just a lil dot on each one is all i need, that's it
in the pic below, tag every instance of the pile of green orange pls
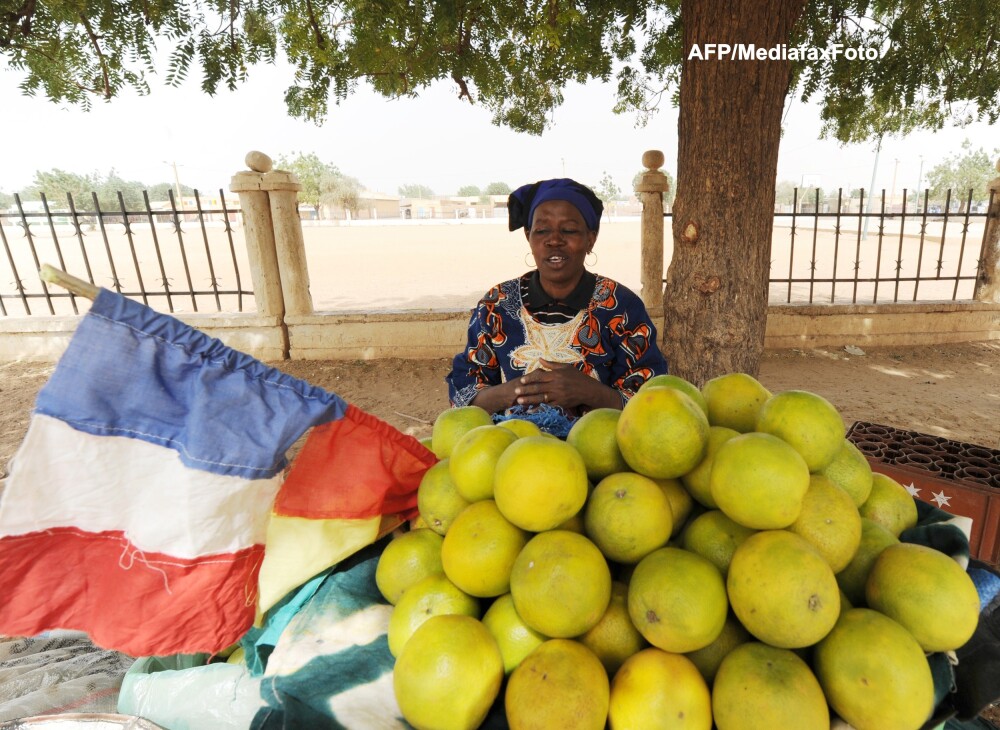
(722, 556)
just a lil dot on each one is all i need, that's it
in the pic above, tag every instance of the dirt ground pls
(952, 391)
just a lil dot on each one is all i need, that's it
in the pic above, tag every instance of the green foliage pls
(469, 191)
(310, 171)
(668, 195)
(497, 188)
(56, 184)
(341, 191)
(968, 170)
(937, 62)
(416, 190)
(161, 191)
(6, 200)
(606, 189)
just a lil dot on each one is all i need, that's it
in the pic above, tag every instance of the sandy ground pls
(438, 265)
(952, 391)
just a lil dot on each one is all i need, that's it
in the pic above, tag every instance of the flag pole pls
(81, 288)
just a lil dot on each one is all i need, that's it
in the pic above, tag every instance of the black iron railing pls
(917, 253)
(150, 254)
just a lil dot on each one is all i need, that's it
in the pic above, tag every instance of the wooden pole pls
(81, 288)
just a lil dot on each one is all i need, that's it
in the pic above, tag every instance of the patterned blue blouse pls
(611, 338)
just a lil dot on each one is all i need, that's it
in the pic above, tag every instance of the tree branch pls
(94, 40)
(20, 17)
(314, 24)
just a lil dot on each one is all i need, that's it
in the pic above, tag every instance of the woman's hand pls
(561, 384)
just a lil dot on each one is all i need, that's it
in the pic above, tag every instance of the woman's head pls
(561, 219)
(523, 202)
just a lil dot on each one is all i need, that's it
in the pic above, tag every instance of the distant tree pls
(161, 191)
(110, 185)
(6, 200)
(606, 189)
(342, 191)
(668, 196)
(469, 191)
(784, 192)
(970, 169)
(310, 171)
(56, 184)
(416, 190)
(498, 188)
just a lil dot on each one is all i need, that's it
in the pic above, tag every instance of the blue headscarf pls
(522, 202)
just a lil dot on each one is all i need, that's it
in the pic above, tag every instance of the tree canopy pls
(57, 184)
(416, 190)
(971, 170)
(936, 62)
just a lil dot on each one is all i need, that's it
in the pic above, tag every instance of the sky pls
(434, 140)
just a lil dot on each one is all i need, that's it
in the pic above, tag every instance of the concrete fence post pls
(987, 287)
(282, 189)
(259, 234)
(650, 188)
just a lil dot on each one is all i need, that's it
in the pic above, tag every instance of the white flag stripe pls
(167, 508)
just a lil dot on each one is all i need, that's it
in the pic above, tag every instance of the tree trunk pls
(987, 287)
(715, 300)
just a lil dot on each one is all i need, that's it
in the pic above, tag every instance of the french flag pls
(138, 506)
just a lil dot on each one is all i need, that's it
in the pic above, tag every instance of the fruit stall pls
(717, 557)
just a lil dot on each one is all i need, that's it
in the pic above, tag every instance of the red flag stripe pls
(357, 467)
(135, 602)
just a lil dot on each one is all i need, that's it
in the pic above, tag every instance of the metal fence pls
(184, 259)
(175, 258)
(931, 252)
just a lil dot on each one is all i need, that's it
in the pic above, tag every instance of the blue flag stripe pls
(130, 371)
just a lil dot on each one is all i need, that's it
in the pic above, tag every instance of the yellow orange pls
(473, 460)
(851, 579)
(594, 436)
(438, 501)
(759, 481)
(561, 584)
(448, 674)
(479, 550)
(540, 483)
(697, 481)
(715, 537)
(806, 421)
(434, 595)
(829, 521)
(760, 686)
(561, 684)
(782, 590)
(662, 433)
(874, 673)
(657, 690)
(927, 592)
(677, 600)
(407, 559)
(614, 638)
(733, 401)
(453, 423)
(628, 516)
(889, 504)
(514, 637)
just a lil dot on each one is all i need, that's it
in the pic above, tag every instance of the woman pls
(559, 340)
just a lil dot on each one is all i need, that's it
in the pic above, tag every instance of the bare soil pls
(951, 391)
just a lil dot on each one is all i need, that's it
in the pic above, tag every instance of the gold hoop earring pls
(593, 263)
(530, 264)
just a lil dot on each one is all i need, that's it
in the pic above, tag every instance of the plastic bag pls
(182, 693)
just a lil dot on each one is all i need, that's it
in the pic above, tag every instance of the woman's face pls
(560, 241)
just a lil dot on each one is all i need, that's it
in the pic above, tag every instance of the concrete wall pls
(43, 339)
(416, 335)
